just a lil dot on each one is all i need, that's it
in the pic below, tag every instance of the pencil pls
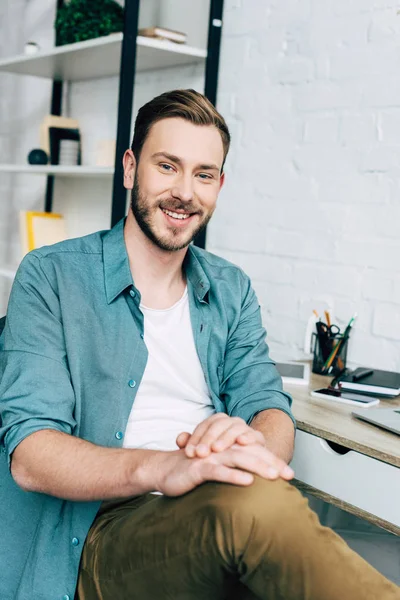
(328, 318)
(336, 349)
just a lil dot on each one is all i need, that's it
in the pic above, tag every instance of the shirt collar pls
(117, 272)
(196, 274)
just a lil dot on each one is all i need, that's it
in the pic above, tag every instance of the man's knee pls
(263, 501)
(266, 510)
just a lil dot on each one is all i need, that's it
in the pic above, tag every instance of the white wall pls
(23, 103)
(311, 207)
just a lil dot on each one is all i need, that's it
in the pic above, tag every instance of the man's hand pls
(217, 433)
(237, 465)
(220, 432)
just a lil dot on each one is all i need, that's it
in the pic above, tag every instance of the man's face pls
(176, 183)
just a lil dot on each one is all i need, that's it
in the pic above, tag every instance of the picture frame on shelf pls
(65, 154)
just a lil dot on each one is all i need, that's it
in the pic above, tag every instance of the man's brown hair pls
(185, 104)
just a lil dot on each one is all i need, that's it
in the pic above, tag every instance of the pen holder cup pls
(322, 355)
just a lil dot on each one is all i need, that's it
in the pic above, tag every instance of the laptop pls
(388, 418)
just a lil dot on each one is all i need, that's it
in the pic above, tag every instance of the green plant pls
(80, 20)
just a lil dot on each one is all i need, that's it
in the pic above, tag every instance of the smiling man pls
(189, 208)
(145, 433)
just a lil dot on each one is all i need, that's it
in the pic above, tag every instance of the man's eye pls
(166, 167)
(205, 176)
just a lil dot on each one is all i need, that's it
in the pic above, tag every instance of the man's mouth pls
(176, 215)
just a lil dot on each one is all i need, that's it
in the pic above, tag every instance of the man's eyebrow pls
(210, 167)
(178, 161)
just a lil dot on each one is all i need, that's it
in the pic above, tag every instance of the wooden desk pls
(345, 461)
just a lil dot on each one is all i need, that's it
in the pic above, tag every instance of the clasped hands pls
(220, 433)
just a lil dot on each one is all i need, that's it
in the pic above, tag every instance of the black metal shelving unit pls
(126, 95)
(212, 69)
(55, 109)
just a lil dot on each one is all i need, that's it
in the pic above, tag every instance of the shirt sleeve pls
(35, 386)
(251, 383)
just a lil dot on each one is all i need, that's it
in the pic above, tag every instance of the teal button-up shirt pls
(72, 356)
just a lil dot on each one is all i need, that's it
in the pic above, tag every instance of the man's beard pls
(143, 214)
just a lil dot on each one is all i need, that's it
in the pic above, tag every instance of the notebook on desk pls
(372, 382)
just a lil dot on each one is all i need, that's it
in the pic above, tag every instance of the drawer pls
(365, 482)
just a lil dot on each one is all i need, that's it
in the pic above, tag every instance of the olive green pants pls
(223, 542)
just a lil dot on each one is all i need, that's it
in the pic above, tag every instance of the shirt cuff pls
(19, 432)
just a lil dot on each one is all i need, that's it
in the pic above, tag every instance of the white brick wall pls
(311, 204)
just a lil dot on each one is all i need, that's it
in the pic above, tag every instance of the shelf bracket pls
(125, 105)
(56, 109)
(212, 68)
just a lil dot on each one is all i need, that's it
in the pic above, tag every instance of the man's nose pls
(183, 188)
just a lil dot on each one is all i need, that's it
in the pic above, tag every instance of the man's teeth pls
(176, 215)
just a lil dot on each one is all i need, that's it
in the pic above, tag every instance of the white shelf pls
(7, 272)
(100, 57)
(62, 171)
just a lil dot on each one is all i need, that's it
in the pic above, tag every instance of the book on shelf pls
(40, 229)
(164, 34)
(373, 382)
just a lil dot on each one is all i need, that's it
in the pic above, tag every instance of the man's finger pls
(248, 461)
(219, 430)
(269, 465)
(201, 429)
(182, 439)
(224, 474)
(251, 437)
(231, 435)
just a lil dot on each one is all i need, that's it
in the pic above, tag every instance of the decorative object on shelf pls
(69, 154)
(80, 20)
(54, 121)
(31, 48)
(40, 229)
(163, 33)
(37, 156)
(65, 146)
(105, 153)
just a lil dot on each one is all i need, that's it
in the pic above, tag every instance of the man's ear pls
(221, 180)
(129, 163)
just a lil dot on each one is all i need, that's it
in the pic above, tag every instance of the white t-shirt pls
(173, 395)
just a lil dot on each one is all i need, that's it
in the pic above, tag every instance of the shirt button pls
(132, 293)
(142, 335)
(75, 541)
(132, 383)
(66, 597)
(119, 435)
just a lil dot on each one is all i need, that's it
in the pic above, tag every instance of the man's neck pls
(157, 274)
